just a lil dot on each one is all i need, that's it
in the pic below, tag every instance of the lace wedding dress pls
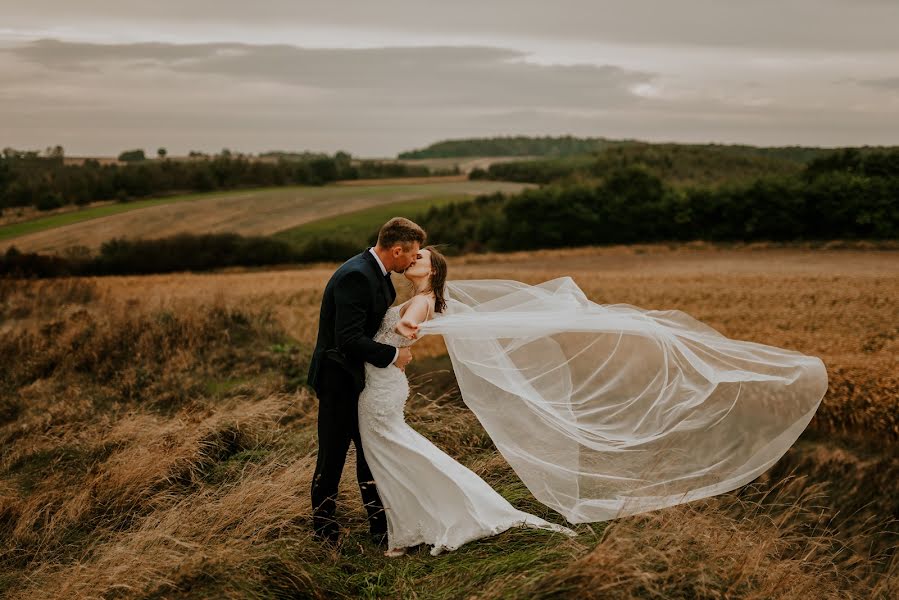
(429, 498)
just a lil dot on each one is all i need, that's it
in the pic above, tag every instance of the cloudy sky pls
(377, 78)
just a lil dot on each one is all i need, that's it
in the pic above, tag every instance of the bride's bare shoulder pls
(424, 301)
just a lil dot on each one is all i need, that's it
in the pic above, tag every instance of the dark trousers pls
(338, 425)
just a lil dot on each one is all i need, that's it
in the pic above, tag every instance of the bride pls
(428, 497)
(603, 411)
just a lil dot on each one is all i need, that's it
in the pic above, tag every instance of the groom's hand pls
(404, 358)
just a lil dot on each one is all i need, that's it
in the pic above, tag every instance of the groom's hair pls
(399, 230)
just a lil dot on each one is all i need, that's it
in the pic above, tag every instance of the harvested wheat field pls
(253, 212)
(158, 441)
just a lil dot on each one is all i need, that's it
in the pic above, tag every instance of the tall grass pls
(165, 450)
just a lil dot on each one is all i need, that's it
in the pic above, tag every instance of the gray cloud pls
(448, 76)
(99, 76)
(258, 97)
(886, 83)
(836, 25)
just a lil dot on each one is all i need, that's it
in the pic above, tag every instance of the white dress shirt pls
(378, 258)
(384, 273)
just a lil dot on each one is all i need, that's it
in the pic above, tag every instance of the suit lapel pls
(391, 290)
(387, 288)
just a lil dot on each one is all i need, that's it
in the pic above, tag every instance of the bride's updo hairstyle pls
(438, 277)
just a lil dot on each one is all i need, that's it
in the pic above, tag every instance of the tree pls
(322, 170)
(5, 172)
(161, 153)
(5, 179)
(132, 156)
(54, 152)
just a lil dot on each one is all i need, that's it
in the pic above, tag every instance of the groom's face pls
(404, 258)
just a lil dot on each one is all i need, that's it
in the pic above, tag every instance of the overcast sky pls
(377, 78)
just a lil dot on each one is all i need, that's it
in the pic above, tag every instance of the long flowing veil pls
(610, 410)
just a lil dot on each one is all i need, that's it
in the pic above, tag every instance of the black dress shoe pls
(329, 535)
(379, 539)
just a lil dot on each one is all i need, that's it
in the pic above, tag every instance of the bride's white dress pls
(428, 497)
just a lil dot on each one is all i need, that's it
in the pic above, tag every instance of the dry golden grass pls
(155, 444)
(175, 525)
(690, 551)
(841, 305)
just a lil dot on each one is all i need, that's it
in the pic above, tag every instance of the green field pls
(362, 224)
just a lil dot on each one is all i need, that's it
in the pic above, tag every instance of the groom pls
(353, 306)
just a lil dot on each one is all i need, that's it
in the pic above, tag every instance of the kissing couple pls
(602, 410)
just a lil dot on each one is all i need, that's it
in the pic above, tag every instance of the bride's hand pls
(407, 329)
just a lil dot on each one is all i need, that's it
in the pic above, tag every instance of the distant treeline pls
(45, 182)
(511, 146)
(673, 163)
(562, 146)
(183, 252)
(846, 195)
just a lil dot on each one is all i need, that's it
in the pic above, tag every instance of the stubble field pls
(249, 212)
(158, 441)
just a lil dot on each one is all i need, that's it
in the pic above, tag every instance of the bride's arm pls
(416, 313)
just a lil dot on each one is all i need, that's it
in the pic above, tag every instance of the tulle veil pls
(611, 410)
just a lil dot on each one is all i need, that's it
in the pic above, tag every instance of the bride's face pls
(421, 267)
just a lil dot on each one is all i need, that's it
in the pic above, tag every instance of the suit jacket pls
(353, 306)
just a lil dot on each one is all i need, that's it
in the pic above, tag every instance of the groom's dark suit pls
(353, 306)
